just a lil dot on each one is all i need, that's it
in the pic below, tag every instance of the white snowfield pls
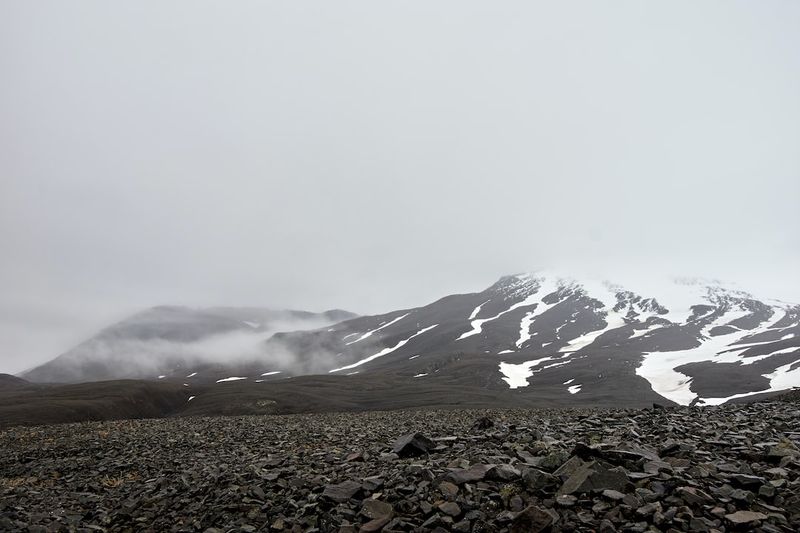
(385, 351)
(547, 286)
(516, 375)
(193, 374)
(272, 373)
(605, 294)
(659, 367)
(191, 398)
(613, 320)
(232, 378)
(369, 333)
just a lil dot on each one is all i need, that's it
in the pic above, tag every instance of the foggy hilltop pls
(169, 338)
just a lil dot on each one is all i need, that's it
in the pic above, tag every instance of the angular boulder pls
(413, 444)
(341, 492)
(594, 477)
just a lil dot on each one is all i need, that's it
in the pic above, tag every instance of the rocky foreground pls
(686, 469)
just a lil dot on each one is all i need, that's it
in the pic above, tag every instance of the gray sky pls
(378, 155)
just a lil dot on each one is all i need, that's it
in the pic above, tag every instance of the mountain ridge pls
(548, 337)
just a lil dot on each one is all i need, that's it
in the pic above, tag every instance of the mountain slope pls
(532, 339)
(164, 340)
(551, 336)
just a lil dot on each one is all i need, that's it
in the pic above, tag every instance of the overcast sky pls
(378, 155)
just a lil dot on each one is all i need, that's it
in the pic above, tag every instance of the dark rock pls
(462, 527)
(341, 492)
(469, 475)
(380, 513)
(413, 444)
(593, 476)
(566, 500)
(372, 483)
(450, 508)
(568, 468)
(694, 496)
(516, 503)
(587, 452)
(553, 460)
(502, 473)
(539, 480)
(629, 452)
(745, 519)
(376, 509)
(613, 495)
(648, 509)
(532, 519)
(747, 481)
(448, 489)
(482, 424)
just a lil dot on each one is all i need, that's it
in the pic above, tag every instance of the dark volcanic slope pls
(703, 469)
(168, 339)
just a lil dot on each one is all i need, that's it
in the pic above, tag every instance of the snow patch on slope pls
(477, 310)
(782, 378)
(658, 368)
(549, 286)
(232, 378)
(516, 375)
(369, 333)
(544, 289)
(385, 351)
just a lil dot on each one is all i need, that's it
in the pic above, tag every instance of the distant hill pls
(168, 339)
(7, 381)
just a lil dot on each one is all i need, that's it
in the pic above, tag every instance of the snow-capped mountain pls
(531, 339)
(165, 340)
(545, 335)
